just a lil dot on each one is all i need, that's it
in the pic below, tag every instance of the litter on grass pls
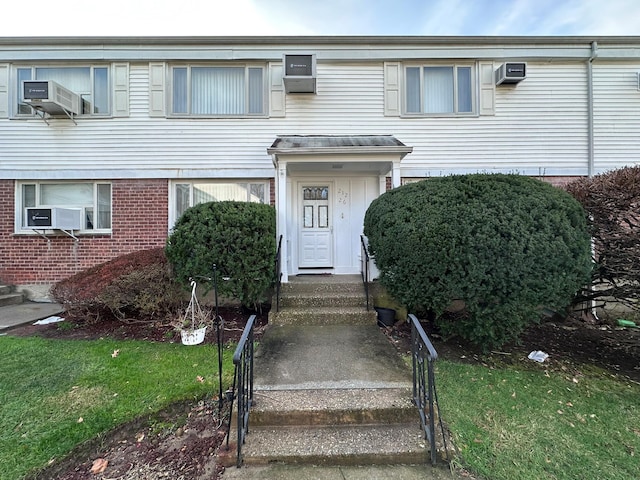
(626, 323)
(48, 320)
(538, 356)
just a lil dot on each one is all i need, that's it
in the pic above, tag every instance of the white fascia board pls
(345, 53)
(171, 174)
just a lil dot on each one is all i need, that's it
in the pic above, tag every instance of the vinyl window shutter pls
(277, 99)
(157, 89)
(487, 89)
(120, 89)
(4, 90)
(392, 91)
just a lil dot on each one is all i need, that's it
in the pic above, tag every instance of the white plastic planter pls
(193, 337)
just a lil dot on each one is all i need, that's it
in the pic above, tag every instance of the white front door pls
(316, 227)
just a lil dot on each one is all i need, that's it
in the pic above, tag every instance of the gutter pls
(590, 129)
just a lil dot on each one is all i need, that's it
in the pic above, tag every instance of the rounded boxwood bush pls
(502, 246)
(238, 237)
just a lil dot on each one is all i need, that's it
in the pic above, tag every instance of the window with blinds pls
(218, 90)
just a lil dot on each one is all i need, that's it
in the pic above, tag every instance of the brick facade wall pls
(139, 222)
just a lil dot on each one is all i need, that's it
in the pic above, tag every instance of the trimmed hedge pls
(138, 286)
(503, 246)
(238, 237)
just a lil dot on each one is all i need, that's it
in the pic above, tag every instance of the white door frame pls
(286, 194)
(297, 219)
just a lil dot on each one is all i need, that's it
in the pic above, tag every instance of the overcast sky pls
(319, 17)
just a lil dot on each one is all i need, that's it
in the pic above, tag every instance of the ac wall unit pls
(299, 73)
(510, 73)
(50, 97)
(55, 218)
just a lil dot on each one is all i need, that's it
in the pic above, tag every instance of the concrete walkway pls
(12, 316)
(298, 361)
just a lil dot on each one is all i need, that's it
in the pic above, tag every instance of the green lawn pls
(57, 394)
(510, 422)
(531, 421)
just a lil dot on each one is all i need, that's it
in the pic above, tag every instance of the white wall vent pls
(55, 218)
(299, 73)
(50, 97)
(511, 72)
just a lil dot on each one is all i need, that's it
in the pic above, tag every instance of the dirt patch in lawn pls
(182, 442)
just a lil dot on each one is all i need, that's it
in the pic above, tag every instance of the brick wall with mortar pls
(139, 222)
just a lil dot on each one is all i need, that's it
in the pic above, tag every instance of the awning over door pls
(353, 153)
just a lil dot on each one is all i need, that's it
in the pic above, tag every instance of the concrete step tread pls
(338, 399)
(6, 289)
(340, 472)
(332, 294)
(333, 407)
(11, 299)
(322, 287)
(326, 310)
(337, 445)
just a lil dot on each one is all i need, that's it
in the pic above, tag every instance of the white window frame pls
(455, 66)
(17, 97)
(21, 228)
(173, 194)
(265, 74)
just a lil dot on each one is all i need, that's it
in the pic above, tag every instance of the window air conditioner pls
(299, 73)
(50, 97)
(510, 73)
(54, 218)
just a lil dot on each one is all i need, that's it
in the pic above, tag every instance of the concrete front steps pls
(334, 427)
(330, 389)
(323, 300)
(9, 296)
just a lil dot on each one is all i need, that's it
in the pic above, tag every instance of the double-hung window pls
(440, 89)
(214, 90)
(90, 82)
(189, 194)
(92, 198)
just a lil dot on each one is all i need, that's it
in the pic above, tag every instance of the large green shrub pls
(502, 246)
(238, 237)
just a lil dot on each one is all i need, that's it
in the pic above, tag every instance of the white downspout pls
(590, 129)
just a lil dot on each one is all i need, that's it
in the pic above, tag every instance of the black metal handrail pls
(364, 267)
(278, 272)
(243, 380)
(425, 396)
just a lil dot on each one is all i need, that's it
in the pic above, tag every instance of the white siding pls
(539, 127)
(616, 115)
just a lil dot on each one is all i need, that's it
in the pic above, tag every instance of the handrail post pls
(423, 357)
(364, 267)
(243, 361)
(278, 272)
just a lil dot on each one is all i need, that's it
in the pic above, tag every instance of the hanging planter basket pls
(193, 324)
(193, 337)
